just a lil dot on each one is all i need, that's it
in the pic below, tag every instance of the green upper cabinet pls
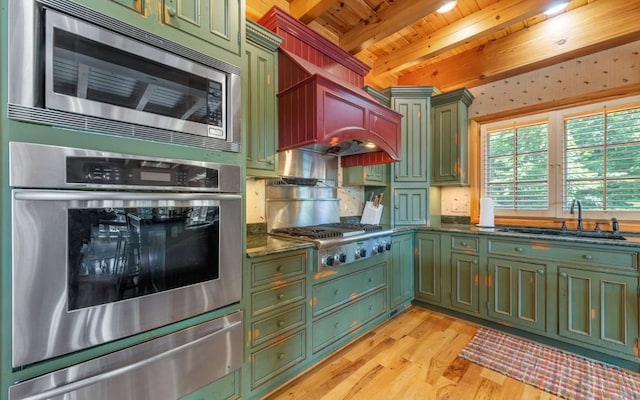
(202, 25)
(410, 176)
(370, 175)
(449, 115)
(259, 94)
(214, 21)
(136, 5)
(413, 102)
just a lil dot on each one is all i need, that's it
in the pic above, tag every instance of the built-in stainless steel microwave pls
(73, 67)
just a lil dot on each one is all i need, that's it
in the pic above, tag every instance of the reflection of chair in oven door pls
(129, 256)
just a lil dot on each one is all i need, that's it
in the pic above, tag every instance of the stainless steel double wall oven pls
(110, 245)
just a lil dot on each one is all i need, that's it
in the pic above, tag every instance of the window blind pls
(602, 160)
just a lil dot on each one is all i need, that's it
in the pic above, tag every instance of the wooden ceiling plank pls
(611, 23)
(400, 14)
(482, 23)
(308, 10)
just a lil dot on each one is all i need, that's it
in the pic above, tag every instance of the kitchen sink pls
(563, 232)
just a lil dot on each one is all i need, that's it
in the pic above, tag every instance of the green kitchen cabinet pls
(276, 288)
(401, 288)
(346, 302)
(135, 5)
(409, 177)
(465, 283)
(369, 175)
(260, 98)
(449, 115)
(517, 293)
(202, 25)
(599, 308)
(217, 22)
(427, 268)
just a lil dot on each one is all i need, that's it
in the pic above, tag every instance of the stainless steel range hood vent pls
(304, 166)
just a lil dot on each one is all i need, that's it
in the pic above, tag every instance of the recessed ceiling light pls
(556, 8)
(448, 6)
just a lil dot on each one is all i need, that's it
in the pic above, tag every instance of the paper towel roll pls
(486, 212)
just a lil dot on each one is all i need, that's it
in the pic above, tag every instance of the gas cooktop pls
(328, 231)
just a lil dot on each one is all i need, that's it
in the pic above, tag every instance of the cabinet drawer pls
(336, 292)
(581, 255)
(277, 297)
(467, 243)
(278, 269)
(339, 324)
(268, 328)
(273, 360)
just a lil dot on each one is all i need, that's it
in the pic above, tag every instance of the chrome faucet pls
(573, 204)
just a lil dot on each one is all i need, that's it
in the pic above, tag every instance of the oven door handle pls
(70, 195)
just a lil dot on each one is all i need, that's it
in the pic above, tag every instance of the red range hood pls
(321, 104)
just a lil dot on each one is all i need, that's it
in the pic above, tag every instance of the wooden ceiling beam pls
(482, 23)
(399, 15)
(308, 10)
(594, 27)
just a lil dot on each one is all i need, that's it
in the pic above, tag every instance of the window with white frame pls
(535, 166)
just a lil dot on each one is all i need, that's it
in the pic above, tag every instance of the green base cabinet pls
(449, 115)
(275, 288)
(427, 268)
(465, 281)
(401, 285)
(599, 308)
(259, 96)
(517, 293)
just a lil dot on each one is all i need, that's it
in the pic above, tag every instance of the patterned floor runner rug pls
(560, 373)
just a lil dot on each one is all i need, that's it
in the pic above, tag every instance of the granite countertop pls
(262, 244)
(631, 239)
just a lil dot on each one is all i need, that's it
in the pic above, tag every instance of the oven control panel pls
(343, 254)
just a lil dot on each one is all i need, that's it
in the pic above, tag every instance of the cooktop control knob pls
(360, 253)
(387, 246)
(381, 248)
(328, 261)
(342, 257)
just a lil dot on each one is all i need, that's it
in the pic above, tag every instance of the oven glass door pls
(121, 253)
(90, 266)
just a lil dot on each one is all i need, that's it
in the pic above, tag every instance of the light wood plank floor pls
(412, 356)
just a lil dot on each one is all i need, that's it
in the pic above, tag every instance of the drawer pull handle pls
(280, 356)
(370, 308)
(474, 262)
(279, 269)
(337, 325)
(280, 323)
(541, 271)
(519, 249)
(370, 279)
(463, 244)
(281, 296)
(564, 275)
(587, 256)
(171, 11)
(336, 292)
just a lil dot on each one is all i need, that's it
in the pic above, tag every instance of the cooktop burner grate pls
(327, 231)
